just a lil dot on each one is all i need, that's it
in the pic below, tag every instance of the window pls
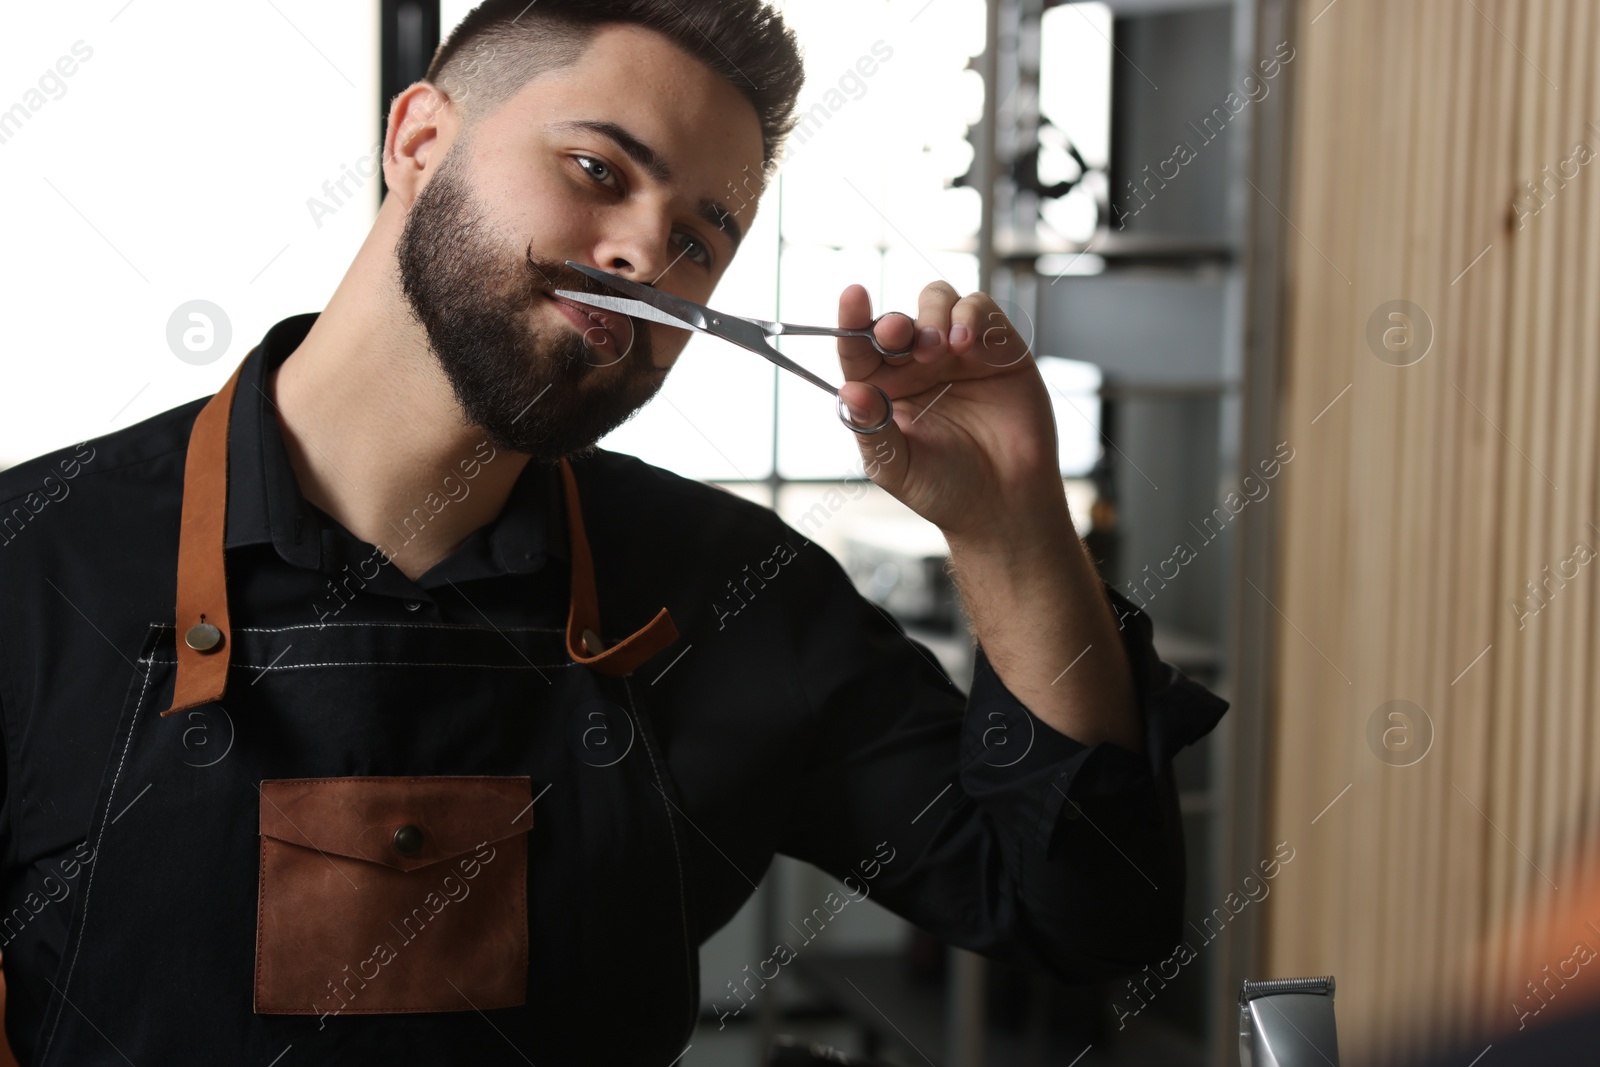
(196, 152)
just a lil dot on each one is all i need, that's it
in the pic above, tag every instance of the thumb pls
(884, 453)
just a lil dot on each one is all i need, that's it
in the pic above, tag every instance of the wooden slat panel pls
(1419, 505)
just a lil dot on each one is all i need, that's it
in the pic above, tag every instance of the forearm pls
(1037, 607)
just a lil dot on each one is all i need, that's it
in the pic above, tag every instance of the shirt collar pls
(265, 505)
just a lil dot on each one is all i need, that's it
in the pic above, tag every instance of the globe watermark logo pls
(1399, 733)
(600, 733)
(1005, 333)
(199, 332)
(207, 738)
(1006, 741)
(1399, 333)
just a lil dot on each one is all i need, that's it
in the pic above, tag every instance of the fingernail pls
(958, 333)
(928, 338)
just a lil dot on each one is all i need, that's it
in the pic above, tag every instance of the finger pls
(933, 321)
(983, 336)
(907, 377)
(857, 357)
(882, 453)
(896, 330)
(966, 324)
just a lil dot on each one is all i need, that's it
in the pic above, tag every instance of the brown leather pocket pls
(392, 894)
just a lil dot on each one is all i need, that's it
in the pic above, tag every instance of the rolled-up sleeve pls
(1004, 836)
(1091, 832)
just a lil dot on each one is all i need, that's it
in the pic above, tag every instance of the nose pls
(636, 245)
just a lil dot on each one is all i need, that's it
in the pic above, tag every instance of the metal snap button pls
(408, 840)
(413, 605)
(592, 644)
(202, 637)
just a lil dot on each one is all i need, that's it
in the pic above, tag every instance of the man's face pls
(637, 159)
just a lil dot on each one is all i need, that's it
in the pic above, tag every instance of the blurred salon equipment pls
(1140, 322)
(787, 1051)
(900, 566)
(1287, 1022)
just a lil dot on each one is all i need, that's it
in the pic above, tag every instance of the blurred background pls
(1310, 285)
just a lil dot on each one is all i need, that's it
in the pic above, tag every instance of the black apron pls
(159, 965)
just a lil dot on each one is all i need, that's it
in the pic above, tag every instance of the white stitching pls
(139, 707)
(382, 663)
(459, 626)
(66, 982)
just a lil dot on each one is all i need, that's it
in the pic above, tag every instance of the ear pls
(422, 124)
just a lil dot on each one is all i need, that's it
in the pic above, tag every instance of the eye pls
(601, 171)
(598, 169)
(696, 249)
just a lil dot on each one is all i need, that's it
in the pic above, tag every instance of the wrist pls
(1037, 534)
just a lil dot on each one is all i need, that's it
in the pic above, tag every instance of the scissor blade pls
(635, 308)
(746, 333)
(685, 310)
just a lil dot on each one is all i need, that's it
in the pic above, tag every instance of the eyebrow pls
(713, 212)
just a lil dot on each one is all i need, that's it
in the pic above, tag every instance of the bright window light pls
(179, 161)
(256, 202)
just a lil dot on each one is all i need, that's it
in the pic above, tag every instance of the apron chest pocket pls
(392, 894)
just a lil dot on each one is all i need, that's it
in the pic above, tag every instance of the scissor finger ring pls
(888, 412)
(891, 353)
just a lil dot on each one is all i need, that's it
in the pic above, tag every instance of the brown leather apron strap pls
(203, 632)
(204, 635)
(583, 617)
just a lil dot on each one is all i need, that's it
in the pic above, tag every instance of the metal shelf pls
(1018, 250)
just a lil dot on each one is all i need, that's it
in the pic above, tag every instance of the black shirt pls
(795, 715)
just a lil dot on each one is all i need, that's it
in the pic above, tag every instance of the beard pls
(527, 386)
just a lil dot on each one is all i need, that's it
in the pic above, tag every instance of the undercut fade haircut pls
(503, 44)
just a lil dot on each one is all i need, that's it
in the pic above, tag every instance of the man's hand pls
(973, 426)
(972, 449)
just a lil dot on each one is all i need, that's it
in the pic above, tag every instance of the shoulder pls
(92, 507)
(128, 454)
(88, 534)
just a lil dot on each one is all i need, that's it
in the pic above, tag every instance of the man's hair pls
(502, 44)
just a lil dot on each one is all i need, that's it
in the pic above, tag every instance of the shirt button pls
(413, 605)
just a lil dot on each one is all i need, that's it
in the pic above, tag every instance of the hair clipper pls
(1287, 1022)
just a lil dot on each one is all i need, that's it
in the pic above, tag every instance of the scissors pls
(646, 302)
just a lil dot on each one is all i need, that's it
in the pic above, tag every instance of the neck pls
(371, 427)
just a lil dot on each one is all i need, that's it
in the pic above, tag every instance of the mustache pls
(549, 275)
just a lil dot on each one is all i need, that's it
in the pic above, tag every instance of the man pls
(449, 745)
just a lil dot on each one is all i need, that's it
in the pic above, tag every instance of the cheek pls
(537, 206)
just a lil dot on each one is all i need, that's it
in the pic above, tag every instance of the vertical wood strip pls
(1423, 509)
